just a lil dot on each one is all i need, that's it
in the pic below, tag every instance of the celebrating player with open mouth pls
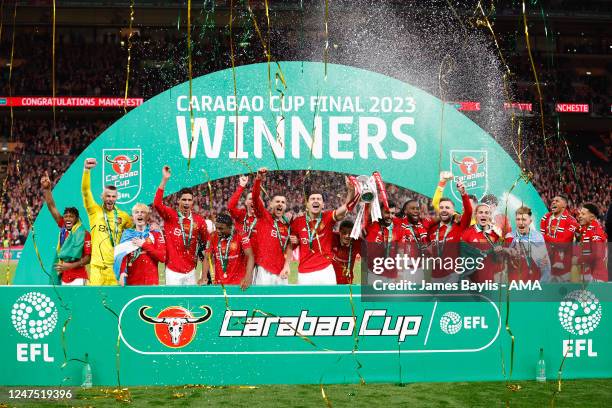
(244, 218)
(74, 243)
(313, 233)
(107, 223)
(182, 229)
(558, 228)
(273, 252)
(482, 239)
(232, 256)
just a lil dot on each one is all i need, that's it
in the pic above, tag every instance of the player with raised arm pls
(313, 233)
(183, 230)
(107, 223)
(445, 234)
(558, 228)
(244, 218)
(74, 242)
(232, 257)
(272, 252)
(140, 251)
(593, 256)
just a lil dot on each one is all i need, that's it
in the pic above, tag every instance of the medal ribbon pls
(440, 248)
(278, 234)
(224, 258)
(527, 251)
(556, 225)
(138, 251)
(312, 234)
(389, 238)
(186, 242)
(249, 229)
(347, 268)
(110, 234)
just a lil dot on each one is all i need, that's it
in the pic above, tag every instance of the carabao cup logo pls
(470, 167)
(175, 326)
(580, 312)
(123, 169)
(450, 322)
(34, 315)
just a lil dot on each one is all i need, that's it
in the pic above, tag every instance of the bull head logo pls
(121, 164)
(468, 165)
(175, 324)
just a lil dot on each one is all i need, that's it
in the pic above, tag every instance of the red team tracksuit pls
(478, 239)
(269, 252)
(594, 251)
(446, 243)
(76, 273)
(143, 270)
(343, 266)
(178, 258)
(236, 260)
(559, 234)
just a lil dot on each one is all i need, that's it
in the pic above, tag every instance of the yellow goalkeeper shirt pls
(103, 241)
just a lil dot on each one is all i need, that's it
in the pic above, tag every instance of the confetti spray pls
(129, 56)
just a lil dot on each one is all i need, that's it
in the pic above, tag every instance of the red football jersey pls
(180, 258)
(273, 238)
(144, 269)
(344, 259)
(558, 234)
(235, 268)
(317, 255)
(388, 239)
(247, 224)
(77, 273)
(594, 253)
(415, 236)
(446, 238)
(492, 263)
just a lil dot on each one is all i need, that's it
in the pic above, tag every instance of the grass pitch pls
(576, 393)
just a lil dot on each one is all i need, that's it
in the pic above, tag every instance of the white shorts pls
(76, 282)
(325, 276)
(264, 277)
(180, 279)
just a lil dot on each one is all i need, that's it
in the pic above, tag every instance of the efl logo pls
(580, 314)
(34, 316)
(123, 169)
(175, 326)
(470, 167)
(452, 322)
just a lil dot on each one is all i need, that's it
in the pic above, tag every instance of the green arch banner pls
(350, 121)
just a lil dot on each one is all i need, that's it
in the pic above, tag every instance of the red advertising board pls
(572, 108)
(70, 101)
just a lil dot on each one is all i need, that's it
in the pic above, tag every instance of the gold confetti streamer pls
(190, 75)
(326, 50)
(233, 60)
(117, 351)
(535, 73)
(129, 56)
(324, 396)
(53, 69)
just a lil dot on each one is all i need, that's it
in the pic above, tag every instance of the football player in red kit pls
(244, 218)
(593, 256)
(183, 230)
(558, 228)
(446, 234)
(345, 251)
(382, 239)
(313, 233)
(273, 252)
(232, 256)
(482, 238)
(141, 266)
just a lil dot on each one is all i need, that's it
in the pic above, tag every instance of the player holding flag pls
(183, 230)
